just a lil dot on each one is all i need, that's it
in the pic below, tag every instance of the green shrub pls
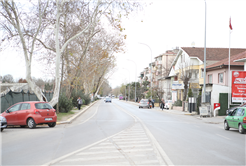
(178, 103)
(190, 93)
(65, 104)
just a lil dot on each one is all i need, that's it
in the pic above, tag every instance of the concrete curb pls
(68, 121)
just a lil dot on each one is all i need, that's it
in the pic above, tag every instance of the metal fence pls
(11, 98)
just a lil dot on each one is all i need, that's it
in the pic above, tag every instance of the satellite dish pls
(193, 44)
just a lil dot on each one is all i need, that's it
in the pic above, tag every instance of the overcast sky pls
(164, 25)
(171, 23)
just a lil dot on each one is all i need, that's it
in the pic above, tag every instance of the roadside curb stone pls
(70, 120)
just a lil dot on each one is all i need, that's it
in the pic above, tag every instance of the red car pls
(31, 113)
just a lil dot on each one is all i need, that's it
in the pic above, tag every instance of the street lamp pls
(129, 84)
(204, 70)
(150, 67)
(135, 77)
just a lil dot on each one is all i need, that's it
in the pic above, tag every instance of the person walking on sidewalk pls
(162, 104)
(153, 103)
(79, 100)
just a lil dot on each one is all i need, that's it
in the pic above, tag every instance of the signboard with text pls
(238, 92)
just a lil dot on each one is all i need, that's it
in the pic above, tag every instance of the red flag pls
(230, 24)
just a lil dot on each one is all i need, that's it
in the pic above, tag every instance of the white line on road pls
(223, 137)
(130, 139)
(91, 116)
(93, 158)
(89, 153)
(157, 146)
(103, 147)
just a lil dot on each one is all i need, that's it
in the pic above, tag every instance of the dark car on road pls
(3, 122)
(144, 103)
(30, 114)
(236, 119)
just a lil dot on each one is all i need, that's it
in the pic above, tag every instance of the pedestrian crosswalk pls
(130, 147)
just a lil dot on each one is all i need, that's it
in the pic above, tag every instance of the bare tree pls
(8, 78)
(20, 23)
(32, 24)
(185, 73)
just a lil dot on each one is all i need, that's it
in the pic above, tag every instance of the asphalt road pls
(120, 133)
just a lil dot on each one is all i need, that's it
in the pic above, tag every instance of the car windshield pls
(43, 106)
(143, 101)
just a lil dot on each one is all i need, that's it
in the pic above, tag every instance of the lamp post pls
(150, 67)
(135, 77)
(204, 70)
(129, 84)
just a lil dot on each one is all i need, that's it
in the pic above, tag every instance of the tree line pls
(76, 41)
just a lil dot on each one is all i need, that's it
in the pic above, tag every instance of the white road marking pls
(223, 137)
(131, 146)
(92, 158)
(135, 144)
(132, 139)
(131, 142)
(157, 145)
(101, 152)
(91, 116)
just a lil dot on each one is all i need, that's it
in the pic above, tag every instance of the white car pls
(3, 122)
(168, 104)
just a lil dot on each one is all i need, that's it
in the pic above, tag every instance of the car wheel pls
(52, 124)
(241, 129)
(2, 129)
(23, 126)
(31, 123)
(226, 126)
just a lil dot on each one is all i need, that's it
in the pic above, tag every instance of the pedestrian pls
(80, 102)
(153, 103)
(162, 104)
(150, 103)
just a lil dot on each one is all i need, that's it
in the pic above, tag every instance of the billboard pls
(238, 86)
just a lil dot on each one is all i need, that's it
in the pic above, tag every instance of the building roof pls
(225, 61)
(212, 54)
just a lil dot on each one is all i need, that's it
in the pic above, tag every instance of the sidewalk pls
(213, 120)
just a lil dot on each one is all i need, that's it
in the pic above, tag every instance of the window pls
(234, 112)
(239, 112)
(14, 108)
(202, 73)
(221, 77)
(25, 106)
(176, 78)
(43, 106)
(210, 78)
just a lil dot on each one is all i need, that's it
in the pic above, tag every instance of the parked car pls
(168, 104)
(31, 113)
(3, 122)
(229, 110)
(144, 103)
(108, 99)
(236, 119)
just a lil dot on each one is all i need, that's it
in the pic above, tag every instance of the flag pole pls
(229, 66)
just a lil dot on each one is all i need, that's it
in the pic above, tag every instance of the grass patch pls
(62, 115)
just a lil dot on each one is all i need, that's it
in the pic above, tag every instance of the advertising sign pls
(216, 105)
(177, 85)
(238, 86)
